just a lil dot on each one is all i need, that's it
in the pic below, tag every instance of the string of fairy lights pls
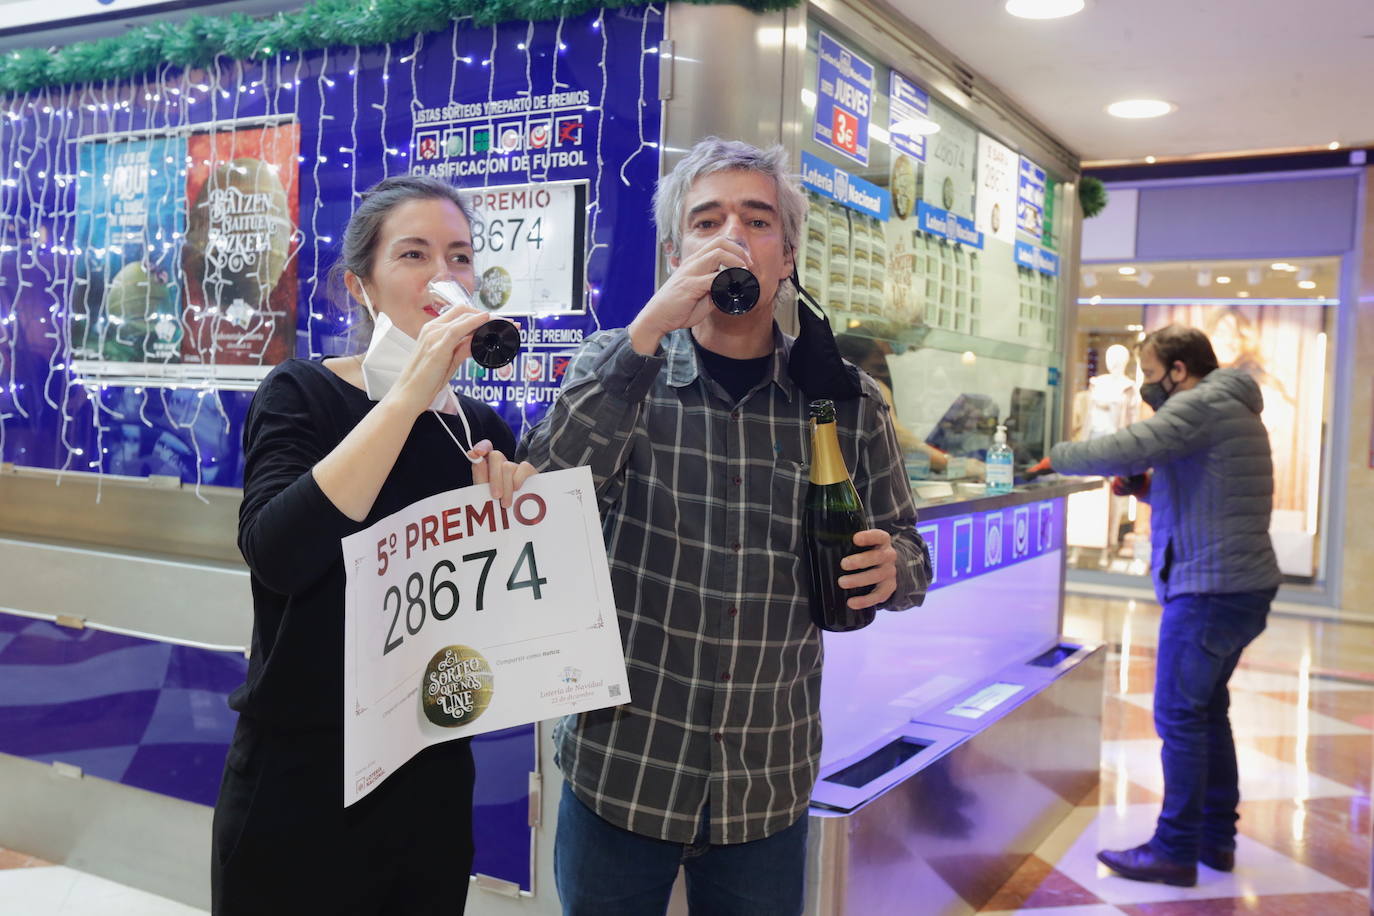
(140, 395)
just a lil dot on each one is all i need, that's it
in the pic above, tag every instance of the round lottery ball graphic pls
(456, 687)
(495, 289)
(238, 235)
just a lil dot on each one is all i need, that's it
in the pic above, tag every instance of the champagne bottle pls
(833, 514)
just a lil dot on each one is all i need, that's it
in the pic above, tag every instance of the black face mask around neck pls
(815, 364)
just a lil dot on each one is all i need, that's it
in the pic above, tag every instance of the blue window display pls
(96, 319)
(94, 336)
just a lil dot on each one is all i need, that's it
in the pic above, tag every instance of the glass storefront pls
(1275, 319)
(935, 248)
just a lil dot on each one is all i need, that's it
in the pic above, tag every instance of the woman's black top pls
(289, 531)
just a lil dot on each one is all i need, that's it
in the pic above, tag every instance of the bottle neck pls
(827, 464)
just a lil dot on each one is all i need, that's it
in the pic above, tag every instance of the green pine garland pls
(199, 40)
(1092, 194)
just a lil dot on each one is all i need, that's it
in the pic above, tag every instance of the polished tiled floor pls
(1303, 714)
(32, 887)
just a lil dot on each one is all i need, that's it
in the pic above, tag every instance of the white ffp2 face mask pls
(387, 354)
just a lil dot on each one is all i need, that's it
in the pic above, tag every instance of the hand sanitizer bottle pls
(999, 463)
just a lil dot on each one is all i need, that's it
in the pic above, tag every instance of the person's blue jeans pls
(1200, 641)
(604, 870)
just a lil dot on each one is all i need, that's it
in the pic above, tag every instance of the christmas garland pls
(1092, 194)
(198, 41)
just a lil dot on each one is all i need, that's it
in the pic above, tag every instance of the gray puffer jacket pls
(1212, 490)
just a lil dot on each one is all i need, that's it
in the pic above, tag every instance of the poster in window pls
(128, 221)
(239, 258)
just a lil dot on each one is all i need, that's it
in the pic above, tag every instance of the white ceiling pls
(1246, 74)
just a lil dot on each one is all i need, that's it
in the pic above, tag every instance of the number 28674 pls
(437, 595)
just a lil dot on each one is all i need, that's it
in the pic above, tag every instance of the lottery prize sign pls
(529, 245)
(463, 617)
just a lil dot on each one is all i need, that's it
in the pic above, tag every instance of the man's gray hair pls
(716, 155)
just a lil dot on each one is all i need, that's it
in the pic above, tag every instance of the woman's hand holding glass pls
(444, 343)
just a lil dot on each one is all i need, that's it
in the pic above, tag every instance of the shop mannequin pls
(1110, 404)
(1111, 401)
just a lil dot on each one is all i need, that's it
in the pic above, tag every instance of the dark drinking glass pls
(495, 343)
(735, 290)
(833, 514)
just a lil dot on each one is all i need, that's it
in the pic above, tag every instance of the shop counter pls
(966, 496)
(958, 733)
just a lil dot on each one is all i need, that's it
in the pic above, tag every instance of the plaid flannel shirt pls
(701, 504)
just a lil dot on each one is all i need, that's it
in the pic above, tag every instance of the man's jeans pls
(603, 870)
(1200, 641)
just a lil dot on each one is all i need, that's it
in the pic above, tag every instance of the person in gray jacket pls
(1210, 484)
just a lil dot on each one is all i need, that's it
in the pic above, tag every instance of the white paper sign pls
(463, 617)
(528, 246)
(950, 156)
(998, 171)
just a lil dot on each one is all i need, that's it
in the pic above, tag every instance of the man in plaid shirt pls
(698, 436)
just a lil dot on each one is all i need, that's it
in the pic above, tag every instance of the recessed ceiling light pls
(1150, 160)
(1243, 294)
(1223, 279)
(1140, 108)
(1334, 144)
(1126, 271)
(1043, 9)
(1307, 284)
(1282, 265)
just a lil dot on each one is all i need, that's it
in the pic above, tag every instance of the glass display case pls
(935, 247)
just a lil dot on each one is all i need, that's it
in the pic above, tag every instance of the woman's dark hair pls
(359, 247)
(1178, 343)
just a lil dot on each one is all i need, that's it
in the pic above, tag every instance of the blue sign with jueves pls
(850, 190)
(844, 100)
(952, 226)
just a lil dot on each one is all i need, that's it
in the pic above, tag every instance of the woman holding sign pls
(330, 447)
